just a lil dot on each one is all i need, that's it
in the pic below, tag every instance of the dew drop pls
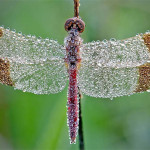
(148, 90)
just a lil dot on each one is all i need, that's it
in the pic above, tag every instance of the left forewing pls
(31, 64)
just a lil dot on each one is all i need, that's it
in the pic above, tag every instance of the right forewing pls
(116, 67)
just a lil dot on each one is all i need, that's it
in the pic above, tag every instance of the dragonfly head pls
(75, 23)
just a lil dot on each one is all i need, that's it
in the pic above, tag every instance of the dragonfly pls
(106, 69)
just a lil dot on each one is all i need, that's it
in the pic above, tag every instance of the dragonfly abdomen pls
(73, 107)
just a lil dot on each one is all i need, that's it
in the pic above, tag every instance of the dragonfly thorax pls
(72, 44)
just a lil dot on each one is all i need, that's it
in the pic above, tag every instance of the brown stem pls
(76, 8)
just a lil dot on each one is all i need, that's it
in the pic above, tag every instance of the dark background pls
(38, 122)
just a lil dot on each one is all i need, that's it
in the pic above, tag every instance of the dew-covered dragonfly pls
(106, 69)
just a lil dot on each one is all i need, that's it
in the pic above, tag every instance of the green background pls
(38, 122)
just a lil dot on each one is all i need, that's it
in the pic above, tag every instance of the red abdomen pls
(73, 107)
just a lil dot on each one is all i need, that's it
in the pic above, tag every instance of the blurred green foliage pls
(38, 122)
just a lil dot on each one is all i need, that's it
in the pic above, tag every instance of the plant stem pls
(81, 139)
(76, 8)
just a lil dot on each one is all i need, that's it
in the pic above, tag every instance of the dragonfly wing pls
(31, 64)
(116, 67)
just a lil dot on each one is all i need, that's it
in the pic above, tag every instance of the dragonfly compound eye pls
(69, 24)
(75, 23)
(80, 25)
